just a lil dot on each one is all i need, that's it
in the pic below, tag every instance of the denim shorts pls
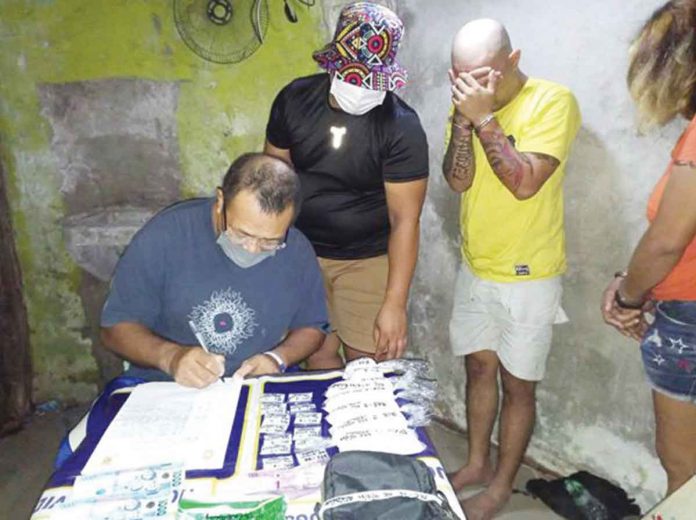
(669, 350)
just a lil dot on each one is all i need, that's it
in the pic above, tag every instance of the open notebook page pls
(166, 422)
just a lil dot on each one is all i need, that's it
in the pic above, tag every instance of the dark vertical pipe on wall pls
(15, 358)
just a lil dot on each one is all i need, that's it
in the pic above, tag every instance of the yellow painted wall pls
(222, 112)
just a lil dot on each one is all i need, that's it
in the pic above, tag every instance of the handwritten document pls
(168, 423)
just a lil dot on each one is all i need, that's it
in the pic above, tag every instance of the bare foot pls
(471, 476)
(484, 505)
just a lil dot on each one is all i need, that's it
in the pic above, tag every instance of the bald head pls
(480, 43)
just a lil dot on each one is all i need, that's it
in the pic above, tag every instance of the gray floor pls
(26, 459)
(451, 447)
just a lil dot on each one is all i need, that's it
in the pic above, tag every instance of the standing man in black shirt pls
(362, 157)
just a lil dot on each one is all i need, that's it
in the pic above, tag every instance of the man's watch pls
(279, 360)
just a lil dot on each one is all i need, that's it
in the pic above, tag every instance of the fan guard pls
(222, 31)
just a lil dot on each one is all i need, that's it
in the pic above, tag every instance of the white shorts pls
(512, 319)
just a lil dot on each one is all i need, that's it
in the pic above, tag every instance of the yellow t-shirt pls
(510, 240)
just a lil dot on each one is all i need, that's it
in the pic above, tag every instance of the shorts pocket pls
(533, 304)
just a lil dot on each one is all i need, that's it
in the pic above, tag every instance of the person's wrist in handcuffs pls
(627, 301)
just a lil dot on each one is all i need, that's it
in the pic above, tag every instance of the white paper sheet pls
(166, 422)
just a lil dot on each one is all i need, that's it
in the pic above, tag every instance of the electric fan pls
(222, 31)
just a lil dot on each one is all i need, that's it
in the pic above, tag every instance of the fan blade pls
(257, 20)
(290, 13)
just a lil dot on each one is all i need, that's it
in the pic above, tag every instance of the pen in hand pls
(201, 341)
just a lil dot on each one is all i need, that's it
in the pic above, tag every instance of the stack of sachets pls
(291, 431)
(364, 414)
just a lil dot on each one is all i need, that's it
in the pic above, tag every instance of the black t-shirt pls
(343, 162)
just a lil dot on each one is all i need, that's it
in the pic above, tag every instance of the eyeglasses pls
(237, 236)
(264, 244)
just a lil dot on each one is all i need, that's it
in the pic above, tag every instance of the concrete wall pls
(594, 406)
(106, 116)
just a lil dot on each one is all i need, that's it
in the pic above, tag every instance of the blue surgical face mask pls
(239, 255)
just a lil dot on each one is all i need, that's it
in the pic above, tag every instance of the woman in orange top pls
(661, 276)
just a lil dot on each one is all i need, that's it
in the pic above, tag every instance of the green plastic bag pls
(272, 508)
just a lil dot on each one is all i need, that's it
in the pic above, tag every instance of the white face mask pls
(355, 100)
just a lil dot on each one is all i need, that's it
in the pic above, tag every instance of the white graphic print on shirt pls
(225, 320)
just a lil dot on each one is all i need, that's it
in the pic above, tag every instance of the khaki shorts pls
(355, 292)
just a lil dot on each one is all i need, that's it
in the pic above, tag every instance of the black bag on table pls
(381, 486)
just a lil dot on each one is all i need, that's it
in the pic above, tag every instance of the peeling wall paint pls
(595, 410)
(221, 112)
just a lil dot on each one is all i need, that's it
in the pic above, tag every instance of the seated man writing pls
(232, 269)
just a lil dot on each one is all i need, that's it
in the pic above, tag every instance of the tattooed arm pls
(522, 173)
(459, 164)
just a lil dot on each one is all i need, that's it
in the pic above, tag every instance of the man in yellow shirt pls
(508, 144)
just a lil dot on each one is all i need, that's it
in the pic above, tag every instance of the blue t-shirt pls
(174, 272)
